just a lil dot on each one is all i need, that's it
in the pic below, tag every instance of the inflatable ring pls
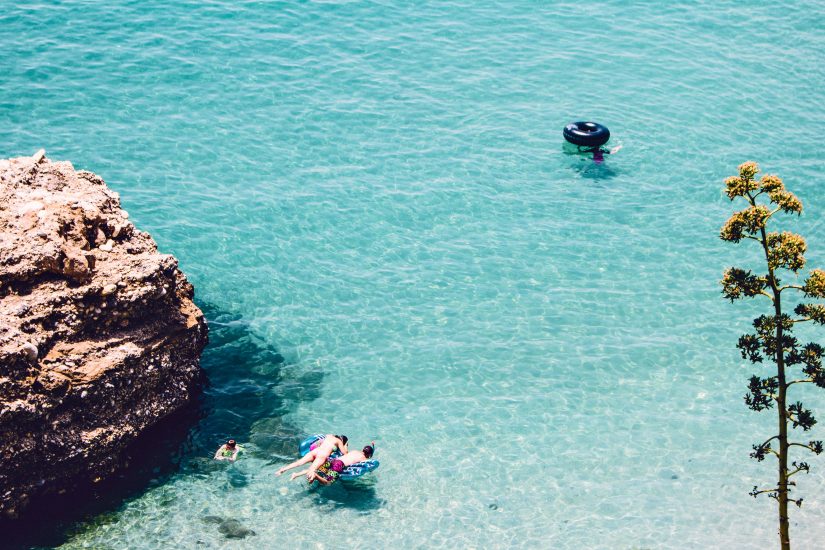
(588, 134)
(350, 472)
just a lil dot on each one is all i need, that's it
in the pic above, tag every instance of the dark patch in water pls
(357, 495)
(237, 479)
(234, 529)
(231, 528)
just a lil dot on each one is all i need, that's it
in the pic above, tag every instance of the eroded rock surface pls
(99, 337)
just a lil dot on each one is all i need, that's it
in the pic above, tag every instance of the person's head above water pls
(230, 444)
(343, 438)
(369, 450)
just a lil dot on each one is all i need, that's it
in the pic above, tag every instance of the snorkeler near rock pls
(228, 451)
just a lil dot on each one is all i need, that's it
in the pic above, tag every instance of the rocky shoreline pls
(99, 336)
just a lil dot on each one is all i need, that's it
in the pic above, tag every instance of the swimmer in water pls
(358, 456)
(599, 152)
(228, 451)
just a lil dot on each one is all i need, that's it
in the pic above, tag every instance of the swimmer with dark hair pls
(228, 451)
(363, 455)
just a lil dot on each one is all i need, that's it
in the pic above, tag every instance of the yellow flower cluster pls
(737, 186)
(744, 183)
(815, 284)
(770, 183)
(747, 221)
(786, 250)
(787, 201)
(747, 170)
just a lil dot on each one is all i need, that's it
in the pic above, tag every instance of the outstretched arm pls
(615, 149)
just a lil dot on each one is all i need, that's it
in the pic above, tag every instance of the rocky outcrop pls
(99, 337)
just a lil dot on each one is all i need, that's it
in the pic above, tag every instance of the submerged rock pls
(99, 337)
(234, 529)
(231, 528)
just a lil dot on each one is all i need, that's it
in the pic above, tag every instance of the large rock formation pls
(99, 337)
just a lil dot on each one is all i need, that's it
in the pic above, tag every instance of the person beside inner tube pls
(599, 152)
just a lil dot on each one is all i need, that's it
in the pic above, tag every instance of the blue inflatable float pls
(350, 472)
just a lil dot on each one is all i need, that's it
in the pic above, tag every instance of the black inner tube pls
(589, 134)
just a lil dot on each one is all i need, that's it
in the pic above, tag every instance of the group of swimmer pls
(322, 468)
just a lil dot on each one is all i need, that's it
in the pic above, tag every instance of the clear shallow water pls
(374, 205)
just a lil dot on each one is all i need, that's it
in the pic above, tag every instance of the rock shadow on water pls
(249, 387)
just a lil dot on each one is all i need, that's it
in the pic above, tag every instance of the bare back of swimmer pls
(353, 457)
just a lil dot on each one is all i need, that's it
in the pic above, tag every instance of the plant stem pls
(781, 399)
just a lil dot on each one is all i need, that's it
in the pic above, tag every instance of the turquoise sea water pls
(374, 205)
